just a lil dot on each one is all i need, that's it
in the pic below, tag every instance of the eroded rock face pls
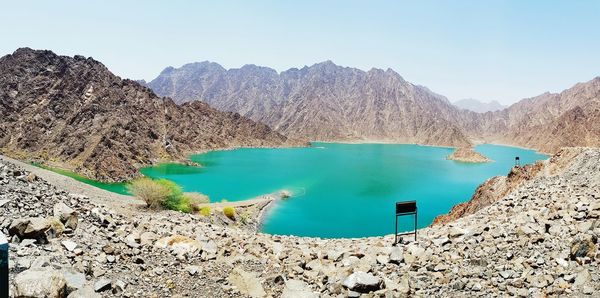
(74, 111)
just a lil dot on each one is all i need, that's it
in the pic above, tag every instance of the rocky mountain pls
(478, 106)
(546, 122)
(74, 113)
(329, 102)
(321, 102)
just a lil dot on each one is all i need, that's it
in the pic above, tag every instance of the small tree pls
(153, 193)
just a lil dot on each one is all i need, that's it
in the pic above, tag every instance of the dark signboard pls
(406, 208)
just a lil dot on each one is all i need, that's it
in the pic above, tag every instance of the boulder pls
(38, 228)
(40, 282)
(247, 283)
(66, 215)
(396, 255)
(74, 279)
(147, 238)
(583, 248)
(362, 282)
(102, 285)
(69, 245)
(179, 245)
(297, 289)
(56, 228)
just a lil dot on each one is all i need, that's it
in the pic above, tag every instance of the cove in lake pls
(342, 190)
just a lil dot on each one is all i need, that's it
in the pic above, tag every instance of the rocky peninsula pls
(467, 154)
(539, 239)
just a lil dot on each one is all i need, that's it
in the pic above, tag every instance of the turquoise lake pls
(342, 190)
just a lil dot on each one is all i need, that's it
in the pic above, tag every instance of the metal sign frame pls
(3, 266)
(402, 209)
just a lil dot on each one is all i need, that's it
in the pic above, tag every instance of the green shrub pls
(195, 199)
(229, 212)
(175, 200)
(204, 211)
(160, 193)
(148, 190)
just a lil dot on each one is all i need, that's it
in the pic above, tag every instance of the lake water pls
(342, 190)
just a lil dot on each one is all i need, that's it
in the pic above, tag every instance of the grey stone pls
(396, 255)
(362, 282)
(66, 215)
(40, 282)
(297, 289)
(75, 280)
(246, 283)
(85, 292)
(102, 285)
(69, 245)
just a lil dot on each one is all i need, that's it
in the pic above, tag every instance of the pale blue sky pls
(502, 50)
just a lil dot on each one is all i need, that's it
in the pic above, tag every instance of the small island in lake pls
(467, 154)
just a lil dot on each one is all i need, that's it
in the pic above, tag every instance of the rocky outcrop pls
(467, 155)
(72, 112)
(540, 239)
(322, 102)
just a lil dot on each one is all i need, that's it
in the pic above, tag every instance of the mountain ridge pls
(74, 112)
(322, 101)
(329, 102)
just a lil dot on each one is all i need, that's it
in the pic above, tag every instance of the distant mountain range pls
(329, 102)
(73, 112)
(478, 106)
(321, 102)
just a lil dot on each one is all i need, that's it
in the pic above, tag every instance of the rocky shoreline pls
(538, 240)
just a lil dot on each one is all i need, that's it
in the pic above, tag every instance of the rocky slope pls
(74, 113)
(495, 188)
(330, 102)
(321, 102)
(539, 240)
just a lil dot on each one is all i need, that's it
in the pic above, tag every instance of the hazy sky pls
(502, 50)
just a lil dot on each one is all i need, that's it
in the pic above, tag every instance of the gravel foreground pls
(540, 240)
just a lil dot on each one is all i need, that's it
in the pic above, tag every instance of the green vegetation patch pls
(163, 193)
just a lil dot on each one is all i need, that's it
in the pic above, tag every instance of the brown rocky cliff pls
(73, 112)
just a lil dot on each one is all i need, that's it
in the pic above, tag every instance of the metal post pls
(416, 224)
(396, 233)
(3, 266)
